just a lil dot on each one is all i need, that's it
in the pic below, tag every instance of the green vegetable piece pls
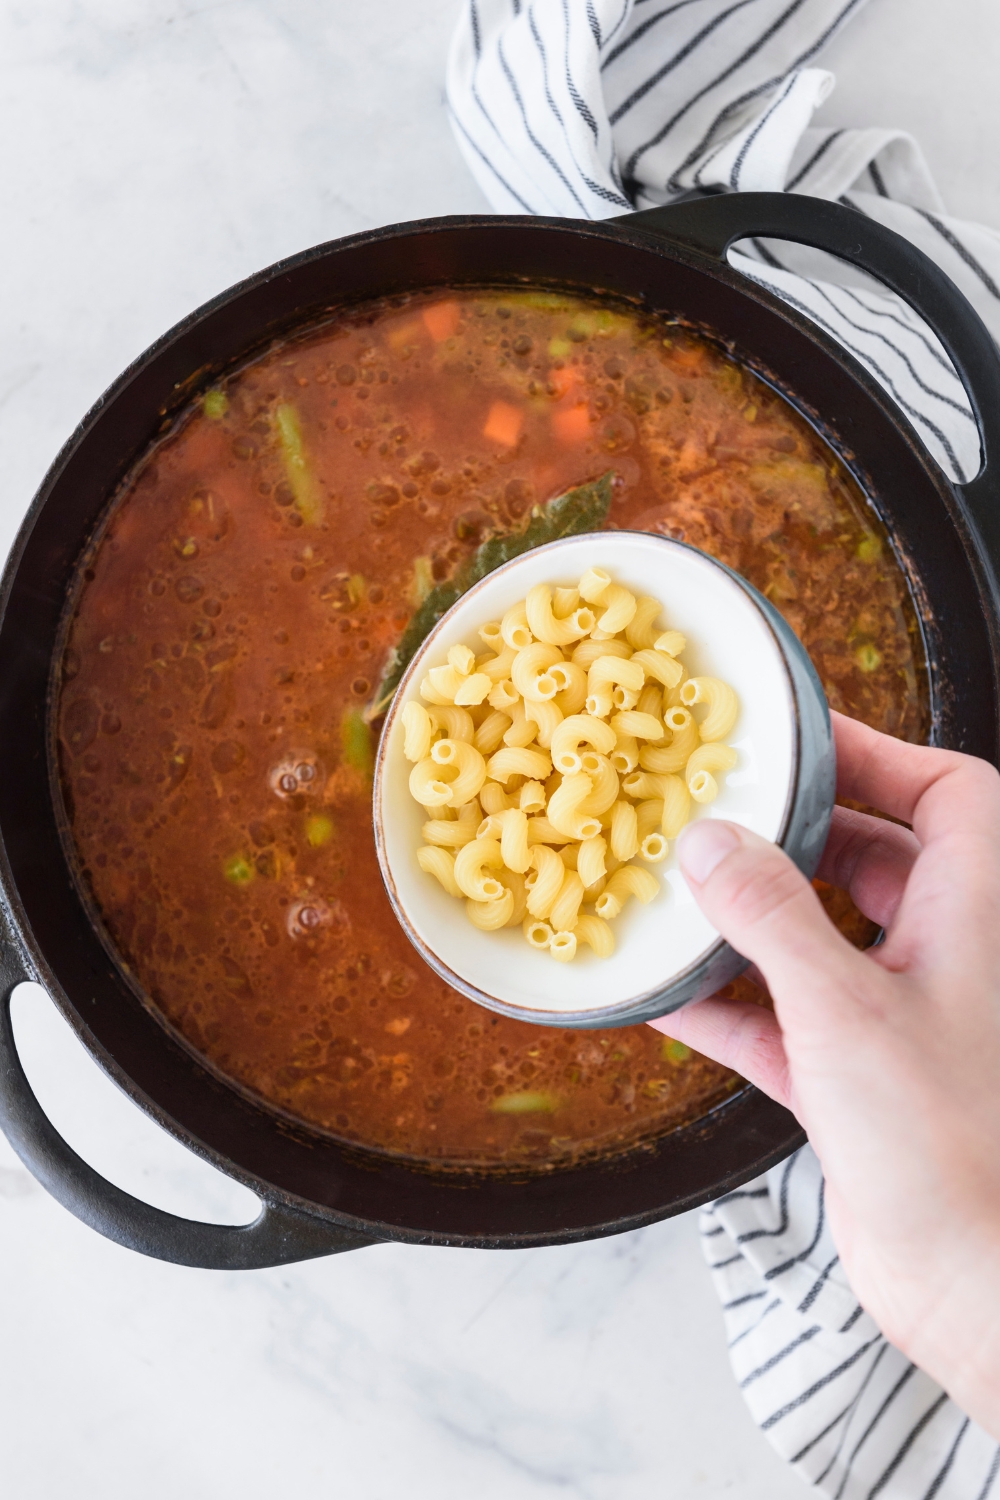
(582, 509)
(356, 740)
(869, 549)
(559, 348)
(319, 830)
(868, 658)
(525, 1104)
(550, 301)
(238, 870)
(674, 1052)
(215, 404)
(308, 501)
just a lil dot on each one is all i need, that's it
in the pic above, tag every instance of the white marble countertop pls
(154, 152)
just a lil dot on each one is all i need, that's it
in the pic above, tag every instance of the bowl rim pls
(685, 984)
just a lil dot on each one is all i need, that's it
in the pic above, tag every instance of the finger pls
(753, 894)
(737, 1034)
(888, 773)
(871, 860)
(947, 917)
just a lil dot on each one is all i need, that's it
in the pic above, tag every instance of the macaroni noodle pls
(547, 779)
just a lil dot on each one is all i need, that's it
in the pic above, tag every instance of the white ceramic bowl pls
(782, 787)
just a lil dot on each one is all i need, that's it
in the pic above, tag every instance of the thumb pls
(763, 905)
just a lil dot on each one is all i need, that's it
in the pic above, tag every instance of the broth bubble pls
(189, 589)
(309, 916)
(297, 773)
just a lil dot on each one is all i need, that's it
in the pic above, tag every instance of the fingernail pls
(704, 845)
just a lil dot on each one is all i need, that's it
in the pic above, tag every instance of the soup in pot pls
(240, 606)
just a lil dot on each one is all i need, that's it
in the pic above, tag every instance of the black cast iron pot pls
(318, 1197)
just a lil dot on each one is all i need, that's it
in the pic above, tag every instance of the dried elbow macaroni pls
(565, 753)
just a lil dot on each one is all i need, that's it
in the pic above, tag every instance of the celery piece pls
(319, 830)
(674, 1052)
(525, 1104)
(582, 509)
(308, 502)
(549, 301)
(868, 658)
(560, 348)
(238, 870)
(869, 549)
(215, 404)
(356, 742)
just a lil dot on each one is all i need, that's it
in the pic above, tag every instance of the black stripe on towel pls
(689, 47)
(582, 108)
(824, 1432)
(766, 255)
(734, 105)
(817, 1386)
(485, 159)
(760, 1234)
(741, 1193)
(906, 1376)
(803, 1254)
(876, 368)
(718, 1265)
(596, 187)
(782, 1354)
(852, 1408)
(775, 1302)
(817, 1286)
(994, 1466)
(855, 1315)
(942, 1473)
(878, 180)
(640, 31)
(906, 1445)
(532, 137)
(894, 317)
(739, 1301)
(820, 152)
(917, 379)
(738, 164)
(961, 250)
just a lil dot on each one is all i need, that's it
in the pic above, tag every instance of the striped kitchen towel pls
(587, 109)
(845, 1408)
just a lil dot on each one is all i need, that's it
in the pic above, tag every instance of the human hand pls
(889, 1058)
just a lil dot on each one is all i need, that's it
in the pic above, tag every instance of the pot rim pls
(23, 936)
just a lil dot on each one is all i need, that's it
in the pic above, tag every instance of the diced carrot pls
(441, 319)
(571, 426)
(504, 423)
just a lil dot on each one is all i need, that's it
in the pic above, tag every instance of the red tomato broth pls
(232, 619)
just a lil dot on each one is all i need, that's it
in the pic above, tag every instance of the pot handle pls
(278, 1236)
(715, 222)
